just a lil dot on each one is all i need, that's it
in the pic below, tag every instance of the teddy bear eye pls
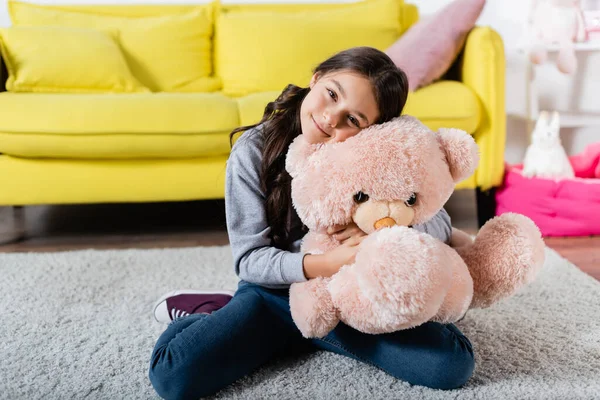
(412, 200)
(360, 197)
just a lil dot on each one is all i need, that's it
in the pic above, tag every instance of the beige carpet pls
(79, 325)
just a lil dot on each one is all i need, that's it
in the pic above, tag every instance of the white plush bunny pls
(556, 22)
(545, 156)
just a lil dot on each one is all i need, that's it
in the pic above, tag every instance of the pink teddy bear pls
(386, 179)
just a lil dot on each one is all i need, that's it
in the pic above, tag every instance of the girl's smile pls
(339, 105)
(319, 127)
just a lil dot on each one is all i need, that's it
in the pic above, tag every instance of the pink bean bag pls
(568, 207)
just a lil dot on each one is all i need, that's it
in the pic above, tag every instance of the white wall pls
(557, 91)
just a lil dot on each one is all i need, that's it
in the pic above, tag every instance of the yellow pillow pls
(55, 59)
(166, 53)
(123, 9)
(262, 51)
(294, 6)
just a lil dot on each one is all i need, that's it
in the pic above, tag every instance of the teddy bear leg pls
(507, 254)
(312, 309)
(460, 294)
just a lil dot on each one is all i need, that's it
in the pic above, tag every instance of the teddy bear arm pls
(318, 243)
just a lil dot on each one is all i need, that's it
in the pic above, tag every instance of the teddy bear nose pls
(384, 222)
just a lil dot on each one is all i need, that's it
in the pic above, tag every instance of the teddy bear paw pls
(506, 255)
(312, 309)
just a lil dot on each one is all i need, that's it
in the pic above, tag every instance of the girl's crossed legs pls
(200, 354)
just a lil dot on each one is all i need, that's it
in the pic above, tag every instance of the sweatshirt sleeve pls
(255, 259)
(440, 226)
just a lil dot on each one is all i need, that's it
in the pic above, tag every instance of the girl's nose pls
(330, 119)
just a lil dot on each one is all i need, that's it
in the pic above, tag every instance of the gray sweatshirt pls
(255, 258)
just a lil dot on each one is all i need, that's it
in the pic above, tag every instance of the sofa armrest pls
(482, 68)
(3, 75)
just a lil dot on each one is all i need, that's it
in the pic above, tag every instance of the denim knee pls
(169, 381)
(451, 369)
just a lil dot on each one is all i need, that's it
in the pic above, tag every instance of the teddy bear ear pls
(461, 151)
(296, 158)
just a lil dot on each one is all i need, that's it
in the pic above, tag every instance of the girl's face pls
(339, 105)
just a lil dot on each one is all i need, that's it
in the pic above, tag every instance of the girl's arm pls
(440, 226)
(255, 259)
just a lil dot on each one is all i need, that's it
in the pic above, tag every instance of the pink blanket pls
(567, 207)
(587, 163)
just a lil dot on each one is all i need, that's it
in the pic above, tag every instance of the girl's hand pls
(329, 263)
(342, 233)
(344, 254)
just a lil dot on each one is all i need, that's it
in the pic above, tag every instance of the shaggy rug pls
(79, 325)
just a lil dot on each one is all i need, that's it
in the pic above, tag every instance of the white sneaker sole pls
(186, 291)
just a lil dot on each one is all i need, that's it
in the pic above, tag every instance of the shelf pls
(593, 45)
(582, 46)
(576, 119)
(568, 119)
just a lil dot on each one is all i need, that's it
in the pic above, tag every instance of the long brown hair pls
(281, 124)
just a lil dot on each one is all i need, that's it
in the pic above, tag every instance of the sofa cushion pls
(122, 9)
(29, 181)
(259, 51)
(428, 49)
(443, 104)
(165, 53)
(128, 125)
(55, 59)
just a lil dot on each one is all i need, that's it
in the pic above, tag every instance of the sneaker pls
(182, 303)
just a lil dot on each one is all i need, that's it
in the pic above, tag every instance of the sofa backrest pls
(408, 15)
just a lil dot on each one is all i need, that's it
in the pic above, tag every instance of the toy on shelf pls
(546, 157)
(592, 24)
(556, 22)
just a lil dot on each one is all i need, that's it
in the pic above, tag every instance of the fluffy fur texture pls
(401, 278)
(545, 156)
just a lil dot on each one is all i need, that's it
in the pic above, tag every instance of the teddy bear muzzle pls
(384, 223)
(375, 215)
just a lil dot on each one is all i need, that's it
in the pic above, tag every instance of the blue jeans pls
(200, 354)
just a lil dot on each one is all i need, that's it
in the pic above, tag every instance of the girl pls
(221, 338)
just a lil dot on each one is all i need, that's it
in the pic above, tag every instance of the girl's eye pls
(360, 197)
(354, 121)
(412, 200)
(332, 94)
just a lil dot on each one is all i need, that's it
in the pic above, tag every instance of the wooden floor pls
(202, 223)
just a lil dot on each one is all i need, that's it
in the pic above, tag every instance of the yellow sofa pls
(59, 148)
